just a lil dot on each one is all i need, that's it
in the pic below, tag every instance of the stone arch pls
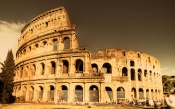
(79, 66)
(120, 93)
(93, 93)
(31, 93)
(36, 46)
(52, 91)
(133, 93)
(55, 44)
(141, 93)
(94, 68)
(124, 71)
(41, 91)
(21, 72)
(132, 63)
(152, 94)
(65, 66)
(45, 45)
(145, 73)
(33, 70)
(78, 93)
(139, 75)
(53, 67)
(109, 95)
(132, 74)
(107, 68)
(63, 94)
(24, 90)
(42, 68)
(147, 93)
(66, 41)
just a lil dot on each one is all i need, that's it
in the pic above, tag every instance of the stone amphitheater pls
(51, 67)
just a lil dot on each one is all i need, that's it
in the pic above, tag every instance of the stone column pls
(71, 94)
(86, 64)
(101, 96)
(72, 66)
(45, 93)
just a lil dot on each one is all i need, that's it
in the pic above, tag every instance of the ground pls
(53, 106)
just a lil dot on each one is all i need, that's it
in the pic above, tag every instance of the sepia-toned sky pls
(141, 25)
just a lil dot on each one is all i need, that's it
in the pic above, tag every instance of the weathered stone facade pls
(50, 66)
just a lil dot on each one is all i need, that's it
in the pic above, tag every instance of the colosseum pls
(51, 67)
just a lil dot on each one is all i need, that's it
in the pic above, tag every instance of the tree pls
(7, 78)
(167, 83)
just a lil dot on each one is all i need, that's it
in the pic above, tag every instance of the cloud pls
(164, 68)
(9, 34)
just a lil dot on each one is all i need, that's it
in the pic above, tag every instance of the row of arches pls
(46, 46)
(37, 93)
(32, 93)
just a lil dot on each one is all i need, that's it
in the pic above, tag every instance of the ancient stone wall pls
(51, 67)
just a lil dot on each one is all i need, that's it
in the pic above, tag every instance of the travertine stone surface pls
(51, 67)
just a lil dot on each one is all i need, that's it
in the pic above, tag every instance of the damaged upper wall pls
(48, 22)
(124, 57)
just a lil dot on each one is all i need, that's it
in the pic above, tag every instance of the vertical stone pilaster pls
(86, 64)
(102, 92)
(70, 94)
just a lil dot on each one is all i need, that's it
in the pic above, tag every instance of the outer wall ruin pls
(50, 66)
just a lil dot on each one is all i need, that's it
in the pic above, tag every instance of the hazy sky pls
(141, 25)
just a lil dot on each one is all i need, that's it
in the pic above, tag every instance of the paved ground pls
(52, 106)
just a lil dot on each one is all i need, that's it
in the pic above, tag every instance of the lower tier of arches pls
(83, 92)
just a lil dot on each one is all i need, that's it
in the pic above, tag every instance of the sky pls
(141, 25)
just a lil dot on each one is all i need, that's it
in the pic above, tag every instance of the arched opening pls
(52, 90)
(109, 95)
(40, 92)
(152, 94)
(133, 93)
(24, 90)
(93, 94)
(132, 74)
(45, 46)
(78, 93)
(139, 75)
(66, 43)
(147, 93)
(132, 64)
(124, 71)
(21, 72)
(33, 70)
(31, 93)
(65, 66)
(42, 68)
(55, 44)
(120, 94)
(107, 68)
(141, 93)
(64, 93)
(151, 76)
(53, 69)
(94, 68)
(145, 73)
(79, 66)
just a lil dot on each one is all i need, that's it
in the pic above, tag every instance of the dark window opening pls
(94, 68)
(79, 66)
(66, 43)
(107, 68)
(53, 70)
(132, 74)
(65, 66)
(124, 71)
(132, 64)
